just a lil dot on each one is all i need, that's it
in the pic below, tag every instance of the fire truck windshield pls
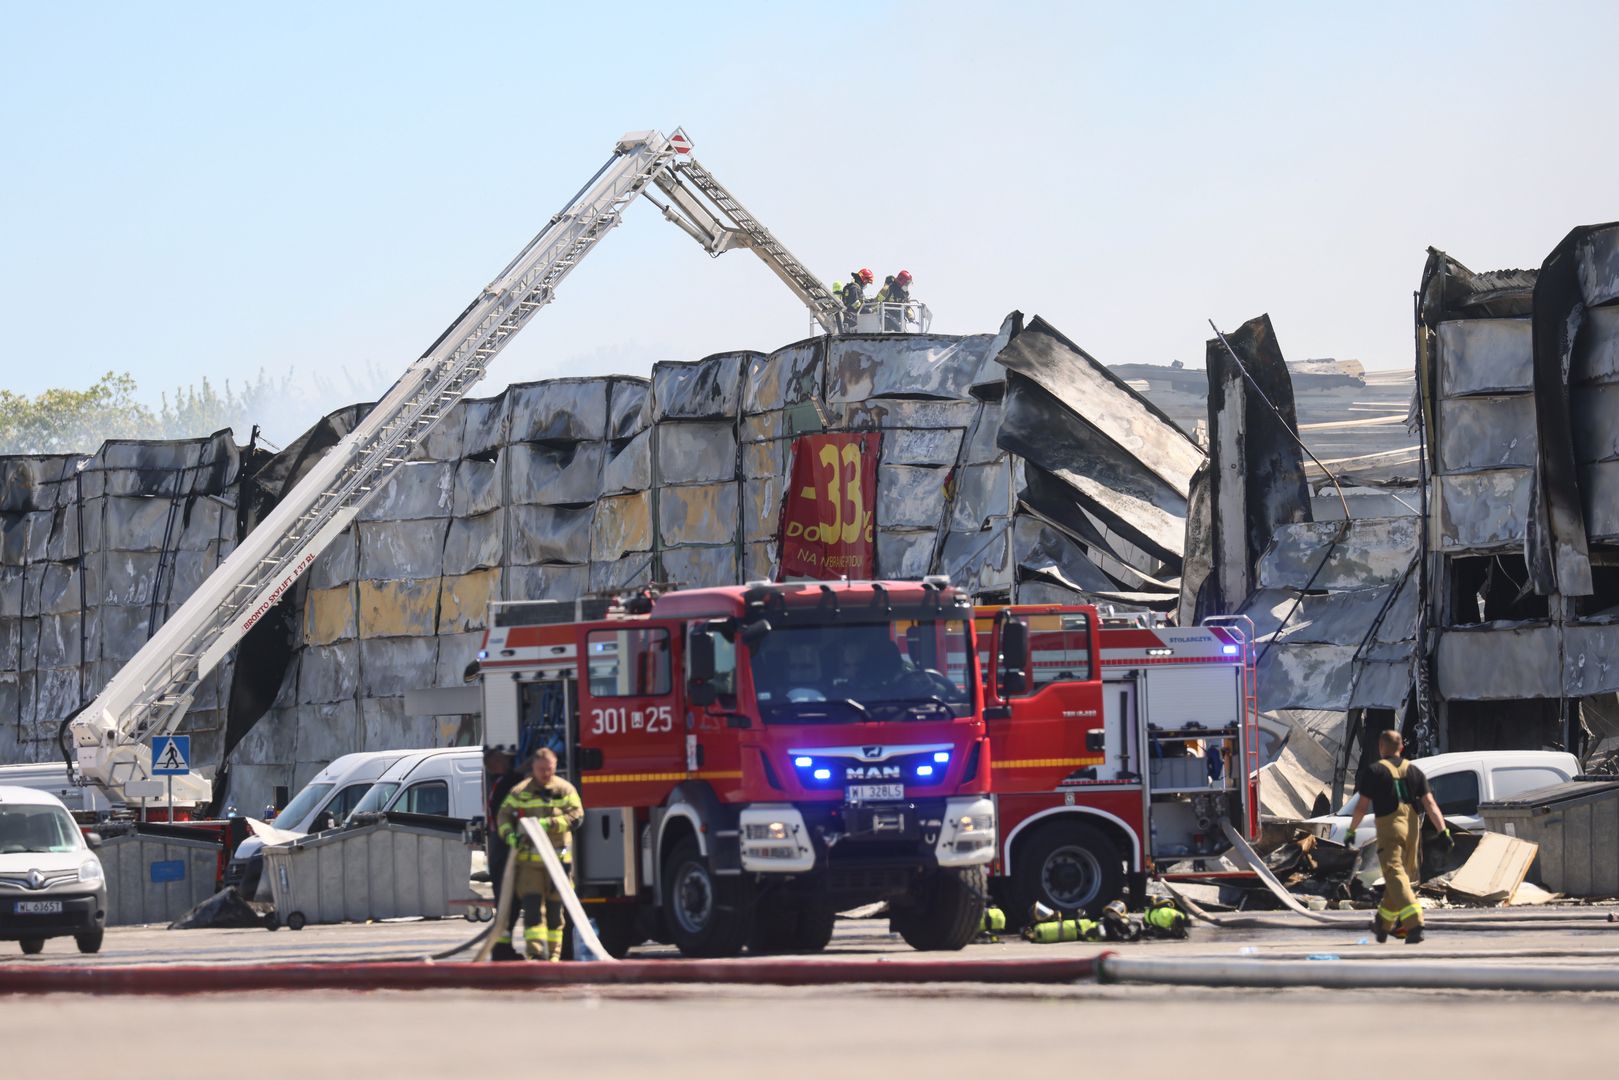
(877, 671)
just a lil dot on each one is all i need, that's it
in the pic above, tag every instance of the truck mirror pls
(1015, 645)
(1014, 681)
(700, 656)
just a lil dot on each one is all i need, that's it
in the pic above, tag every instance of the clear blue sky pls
(208, 189)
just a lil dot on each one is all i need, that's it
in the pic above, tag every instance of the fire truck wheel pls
(707, 915)
(793, 928)
(1068, 867)
(946, 912)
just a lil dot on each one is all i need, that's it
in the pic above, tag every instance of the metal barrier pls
(156, 879)
(910, 317)
(381, 870)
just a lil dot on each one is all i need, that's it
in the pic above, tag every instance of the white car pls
(1459, 782)
(51, 883)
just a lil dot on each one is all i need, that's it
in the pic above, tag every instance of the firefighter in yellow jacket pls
(555, 803)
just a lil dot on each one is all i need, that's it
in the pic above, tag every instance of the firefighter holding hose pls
(555, 803)
(1397, 794)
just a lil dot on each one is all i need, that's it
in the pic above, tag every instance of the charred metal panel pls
(909, 447)
(1595, 408)
(627, 408)
(695, 453)
(477, 487)
(446, 441)
(1478, 433)
(464, 600)
(1596, 351)
(455, 652)
(1498, 663)
(550, 582)
(707, 389)
(785, 377)
(556, 474)
(627, 573)
(474, 543)
(329, 672)
(904, 553)
(485, 427)
(910, 496)
(898, 414)
(1452, 291)
(418, 489)
(1591, 659)
(628, 466)
(1104, 403)
(329, 615)
(557, 410)
(700, 567)
(1045, 553)
(759, 562)
(982, 492)
(335, 565)
(390, 666)
(549, 534)
(1483, 510)
(982, 447)
(1597, 257)
(904, 366)
(761, 508)
(1369, 552)
(698, 514)
(398, 608)
(980, 561)
(392, 550)
(1116, 487)
(623, 524)
(1485, 356)
(328, 731)
(762, 457)
(1600, 485)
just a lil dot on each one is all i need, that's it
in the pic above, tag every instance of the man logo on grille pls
(871, 752)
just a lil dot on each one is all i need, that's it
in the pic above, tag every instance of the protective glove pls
(1447, 841)
(1349, 838)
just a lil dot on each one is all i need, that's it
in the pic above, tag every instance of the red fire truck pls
(1119, 744)
(754, 759)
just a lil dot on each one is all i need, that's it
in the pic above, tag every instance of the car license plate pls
(868, 793)
(39, 907)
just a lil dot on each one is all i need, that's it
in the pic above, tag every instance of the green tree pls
(203, 410)
(73, 421)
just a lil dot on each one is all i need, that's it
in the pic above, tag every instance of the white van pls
(51, 883)
(53, 778)
(322, 803)
(1460, 782)
(446, 782)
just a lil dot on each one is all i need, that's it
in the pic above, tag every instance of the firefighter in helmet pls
(896, 290)
(853, 294)
(555, 803)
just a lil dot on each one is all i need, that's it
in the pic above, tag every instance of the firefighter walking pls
(555, 803)
(1397, 794)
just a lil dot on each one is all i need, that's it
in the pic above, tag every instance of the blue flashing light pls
(1229, 650)
(823, 774)
(941, 756)
(483, 654)
(803, 762)
(924, 770)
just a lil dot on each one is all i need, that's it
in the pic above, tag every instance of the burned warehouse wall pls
(1013, 462)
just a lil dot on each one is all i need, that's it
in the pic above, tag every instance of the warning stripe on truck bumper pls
(1048, 762)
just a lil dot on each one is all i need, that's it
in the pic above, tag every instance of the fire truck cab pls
(754, 759)
(1120, 744)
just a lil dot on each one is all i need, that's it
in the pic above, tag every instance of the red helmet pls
(865, 275)
(903, 277)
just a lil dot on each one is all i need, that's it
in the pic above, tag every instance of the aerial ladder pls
(150, 694)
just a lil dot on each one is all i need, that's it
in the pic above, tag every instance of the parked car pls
(322, 803)
(51, 883)
(1460, 781)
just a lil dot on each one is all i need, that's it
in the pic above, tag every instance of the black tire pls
(947, 910)
(616, 928)
(802, 927)
(32, 946)
(707, 915)
(1068, 867)
(90, 940)
(296, 921)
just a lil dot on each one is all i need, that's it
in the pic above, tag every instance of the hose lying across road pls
(1371, 975)
(1346, 920)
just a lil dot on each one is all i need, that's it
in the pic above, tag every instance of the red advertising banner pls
(829, 515)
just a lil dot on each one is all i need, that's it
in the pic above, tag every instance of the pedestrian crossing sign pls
(171, 755)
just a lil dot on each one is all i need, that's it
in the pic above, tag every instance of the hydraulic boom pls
(150, 695)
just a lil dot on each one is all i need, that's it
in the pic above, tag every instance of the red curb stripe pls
(207, 979)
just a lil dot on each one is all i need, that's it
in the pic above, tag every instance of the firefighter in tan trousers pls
(1397, 794)
(555, 803)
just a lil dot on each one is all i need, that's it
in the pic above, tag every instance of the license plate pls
(39, 907)
(867, 793)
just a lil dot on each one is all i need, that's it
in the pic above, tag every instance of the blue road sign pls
(171, 755)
